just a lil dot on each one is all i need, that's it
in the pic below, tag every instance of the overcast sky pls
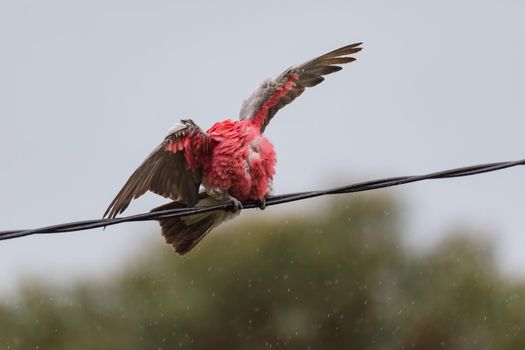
(88, 88)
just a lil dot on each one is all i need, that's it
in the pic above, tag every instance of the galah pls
(230, 162)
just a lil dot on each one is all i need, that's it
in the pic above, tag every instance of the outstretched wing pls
(165, 171)
(274, 94)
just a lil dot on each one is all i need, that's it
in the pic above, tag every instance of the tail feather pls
(183, 233)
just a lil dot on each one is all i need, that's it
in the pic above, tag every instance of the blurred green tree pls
(336, 278)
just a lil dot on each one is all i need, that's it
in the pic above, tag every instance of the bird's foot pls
(261, 203)
(237, 204)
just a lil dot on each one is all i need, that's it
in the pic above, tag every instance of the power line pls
(271, 200)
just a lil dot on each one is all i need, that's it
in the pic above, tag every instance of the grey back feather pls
(252, 104)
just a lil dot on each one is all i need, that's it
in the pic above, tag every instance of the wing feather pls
(273, 95)
(164, 172)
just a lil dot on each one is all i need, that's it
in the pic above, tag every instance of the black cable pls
(271, 200)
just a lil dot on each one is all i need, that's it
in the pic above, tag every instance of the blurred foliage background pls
(338, 277)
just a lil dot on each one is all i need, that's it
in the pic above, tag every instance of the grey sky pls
(89, 88)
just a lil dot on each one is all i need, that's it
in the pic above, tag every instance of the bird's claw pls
(261, 203)
(237, 205)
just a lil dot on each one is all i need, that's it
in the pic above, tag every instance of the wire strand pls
(270, 200)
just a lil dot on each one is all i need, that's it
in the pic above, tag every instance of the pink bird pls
(233, 161)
